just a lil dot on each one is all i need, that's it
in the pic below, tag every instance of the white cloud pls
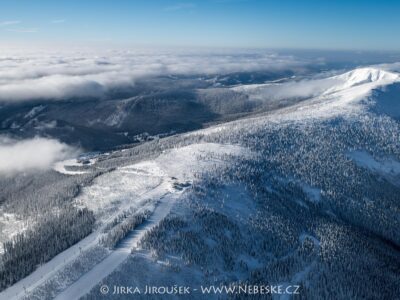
(180, 6)
(9, 23)
(299, 90)
(58, 21)
(31, 154)
(23, 30)
(51, 87)
(65, 75)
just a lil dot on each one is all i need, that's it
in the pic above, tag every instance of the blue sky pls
(331, 24)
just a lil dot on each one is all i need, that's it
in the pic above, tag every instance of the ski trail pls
(47, 270)
(122, 252)
(176, 165)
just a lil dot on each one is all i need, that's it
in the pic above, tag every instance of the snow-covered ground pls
(147, 184)
(386, 167)
(151, 184)
(62, 166)
(328, 97)
(116, 190)
(119, 255)
(10, 226)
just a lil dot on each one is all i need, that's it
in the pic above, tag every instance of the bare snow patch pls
(384, 166)
(116, 190)
(63, 166)
(184, 162)
(313, 193)
(122, 188)
(10, 226)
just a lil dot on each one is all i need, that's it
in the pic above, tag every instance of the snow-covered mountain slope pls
(146, 185)
(277, 198)
(172, 167)
(320, 86)
(285, 216)
(363, 76)
(281, 234)
(327, 97)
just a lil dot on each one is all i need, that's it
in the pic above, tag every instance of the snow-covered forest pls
(302, 193)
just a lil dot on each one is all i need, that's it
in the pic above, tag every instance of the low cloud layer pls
(31, 154)
(289, 90)
(49, 76)
(371, 76)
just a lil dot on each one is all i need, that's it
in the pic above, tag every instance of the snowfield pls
(119, 188)
(325, 98)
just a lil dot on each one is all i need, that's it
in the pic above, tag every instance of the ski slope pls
(110, 263)
(49, 269)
